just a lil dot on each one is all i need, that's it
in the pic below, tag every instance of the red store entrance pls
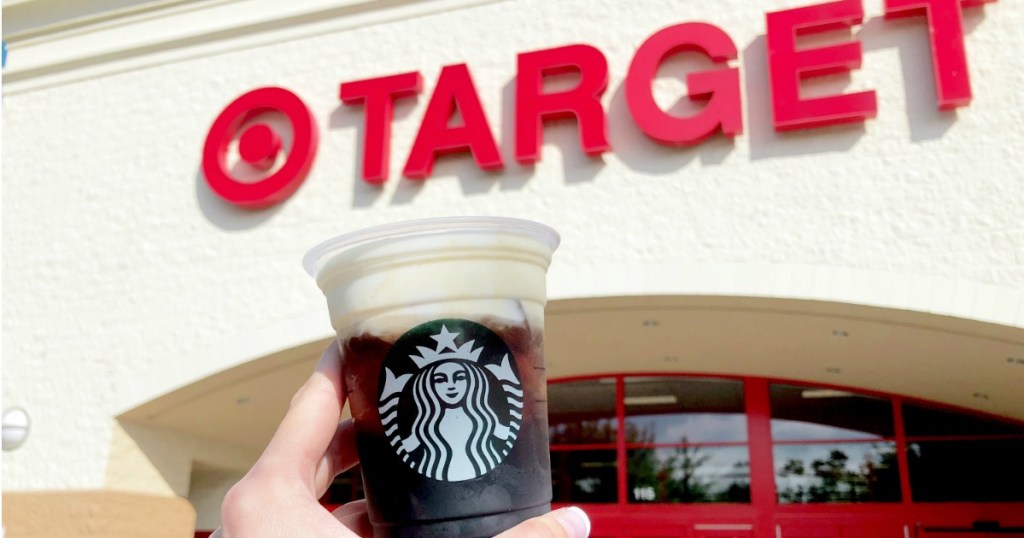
(702, 457)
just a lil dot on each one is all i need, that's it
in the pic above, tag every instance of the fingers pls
(350, 509)
(354, 516)
(562, 523)
(341, 456)
(310, 425)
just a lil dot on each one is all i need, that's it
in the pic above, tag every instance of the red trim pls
(759, 431)
(620, 453)
(901, 450)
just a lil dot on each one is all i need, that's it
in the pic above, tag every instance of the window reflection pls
(587, 476)
(689, 474)
(682, 410)
(582, 412)
(847, 472)
(807, 413)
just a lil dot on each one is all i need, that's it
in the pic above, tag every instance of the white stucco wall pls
(124, 277)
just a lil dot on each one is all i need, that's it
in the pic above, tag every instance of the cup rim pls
(427, 226)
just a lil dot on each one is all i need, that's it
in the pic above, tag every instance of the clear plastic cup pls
(441, 325)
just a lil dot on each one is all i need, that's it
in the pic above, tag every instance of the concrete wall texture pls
(125, 277)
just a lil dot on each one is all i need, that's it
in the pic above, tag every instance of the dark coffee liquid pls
(405, 503)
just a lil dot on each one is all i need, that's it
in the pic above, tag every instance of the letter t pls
(379, 96)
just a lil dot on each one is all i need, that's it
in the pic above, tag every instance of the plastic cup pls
(441, 325)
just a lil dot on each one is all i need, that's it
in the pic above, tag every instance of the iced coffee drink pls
(440, 323)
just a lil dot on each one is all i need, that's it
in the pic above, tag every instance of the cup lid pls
(541, 232)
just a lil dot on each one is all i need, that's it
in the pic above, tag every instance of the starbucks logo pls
(450, 400)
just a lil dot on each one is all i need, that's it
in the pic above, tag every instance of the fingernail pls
(574, 521)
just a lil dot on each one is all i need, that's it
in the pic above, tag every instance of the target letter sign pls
(455, 95)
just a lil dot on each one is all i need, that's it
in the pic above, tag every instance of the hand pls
(278, 496)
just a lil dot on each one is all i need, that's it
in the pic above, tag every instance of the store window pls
(583, 427)
(957, 457)
(832, 446)
(686, 440)
(584, 476)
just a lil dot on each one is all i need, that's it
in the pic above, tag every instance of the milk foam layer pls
(387, 286)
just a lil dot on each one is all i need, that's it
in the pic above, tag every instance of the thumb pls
(562, 523)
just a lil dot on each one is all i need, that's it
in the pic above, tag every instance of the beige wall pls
(96, 514)
(162, 462)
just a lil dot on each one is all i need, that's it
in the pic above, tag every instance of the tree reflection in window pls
(686, 473)
(816, 473)
(686, 440)
(582, 431)
(833, 446)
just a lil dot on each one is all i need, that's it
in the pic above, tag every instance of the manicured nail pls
(574, 521)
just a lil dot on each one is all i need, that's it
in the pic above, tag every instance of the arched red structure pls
(914, 502)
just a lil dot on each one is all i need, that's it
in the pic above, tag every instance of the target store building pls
(788, 301)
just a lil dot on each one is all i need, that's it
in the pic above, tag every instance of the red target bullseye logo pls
(258, 146)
